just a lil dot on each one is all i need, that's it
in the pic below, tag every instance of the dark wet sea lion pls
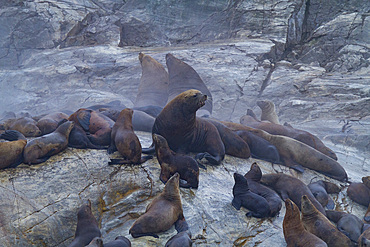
(317, 223)
(119, 241)
(268, 111)
(349, 224)
(294, 232)
(162, 212)
(153, 83)
(253, 177)
(243, 197)
(49, 123)
(184, 132)
(367, 215)
(183, 77)
(364, 239)
(320, 190)
(277, 129)
(11, 153)
(181, 239)
(359, 193)
(27, 126)
(40, 149)
(290, 187)
(171, 163)
(87, 227)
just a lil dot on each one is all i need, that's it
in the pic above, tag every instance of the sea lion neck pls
(293, 215)
(254, 173)
(270, 179)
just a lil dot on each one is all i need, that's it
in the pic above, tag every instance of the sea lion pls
(153, 83)
(181, 239)
(320, 190)
(317, 223)
(253, 177)
(290, 187)
(113, 104)
(49, 123)
(96, 124)
(40, 149)
(125, 141)
(349, 224)
(359, 193)
(257, 205)
(184, 132)
(183, 77)
(11, 153)
(364, 239)
(27, 126)
(294, 232)
(276, 129)
(172, 162)
(366, 181)
(96, 242)
(367, 215)
(78, 139)
(119, 241)
(161, 213)
(87, 226)
(150, 110)
(268, 111)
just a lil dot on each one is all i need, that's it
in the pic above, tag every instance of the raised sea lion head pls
(292, 210)
(84, 211)
(172, 186)
(188, 102)
(159, 140)
(254, 173)
(65, 128)
(240, 179)
(307, 207)
(265, 104)
(125, 116)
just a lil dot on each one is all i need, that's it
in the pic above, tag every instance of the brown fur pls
(364, 239)
(27, 126)
(11, 153)
(49, 123)
(359, 193)
(268, 111)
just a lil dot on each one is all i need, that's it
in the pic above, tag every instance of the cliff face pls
(311, 58)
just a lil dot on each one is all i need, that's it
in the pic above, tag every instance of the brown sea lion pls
(49, 123)
(294, 232)
(119, 241)
(317, 223)
(96, 124)
(40, 149)
(364, 239)
(268, 111)
(366, 181)
(11, 153)
(181, 239)
(290, 187)
(276, 129)
(27, 126)
(367, 215)
(359, 193)
(153, 83)
(125, 141)
(162, 212)
(87, 227)
(253, 177)
(184, 132)
(243, 197)
(349, 224)
(183, 77)
(172, 162)
(320, 190)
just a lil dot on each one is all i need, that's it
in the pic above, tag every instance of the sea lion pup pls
(349, 224)
(27, 126)
(125, 141)
(268, 111)
(251, 120)
(257, 205)
(290, 187)
(119, 241)
(294, 232)
(153, 83)
(184, 132)
(49, 123)
(183, 77)
(364, 239)
(11, 153)
(253, 177)
(316, 223)
(164, 211)
(171, 163)
(87, 226)
(320, 190)
(42, 148)
(359, 193)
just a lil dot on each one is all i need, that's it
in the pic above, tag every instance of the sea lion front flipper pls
(284, 195)
(112, 148)
(149, 150)
(291, 164)
(181, 225)
(12, 135)
(330, 204)
(84, 119)
(213, 160)
(237, 203)
(200, 165)
(137, 235)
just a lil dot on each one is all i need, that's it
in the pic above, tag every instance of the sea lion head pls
(265, 104)
(307, 207)
(65, 128)
(84, 211)
(254, 173)
(292, 211)
(159, 140)
(240, 179)
(188, 102)
(172, 186)
(125, 115)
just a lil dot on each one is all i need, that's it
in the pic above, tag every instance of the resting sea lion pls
(253, 177)
(364, 239)
(294, 232)
(162, 212)
(359, 193)
(49, 123)
(181, 239)
(78, 139)
(366, 181)
(184, 132)
(119, 241)
(183, 77)
(257, 205)
(40, 149)
(268, 111)
(171, 163)
(27, 126)
(320, 190)
(349, 224)
(11, 153)
(153, 83)
(290, 187)
(87, 227)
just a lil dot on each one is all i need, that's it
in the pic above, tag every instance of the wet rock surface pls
(63, 55)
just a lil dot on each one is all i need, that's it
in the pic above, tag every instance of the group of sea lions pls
(176, 107)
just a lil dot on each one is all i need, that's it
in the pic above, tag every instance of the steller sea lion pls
(253, 177)
(268, 111)
(49, 123)
(40, 149)
(119, 241)
(294, 232)
(349, 224)
(87, 227)
(11, 153)
(171, 163)
(183, 77)
(364, 239)
(257, 205)
(27, 126)
(161, 213)
(359, 193)
(317, 223)
(320, 190)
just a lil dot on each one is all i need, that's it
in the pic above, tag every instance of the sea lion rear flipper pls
(298, 168)
(149, 150)
(236, 203)
(181, 225)
(291, 164)
(330, 204)
(213, 160)
(112, 148)
(12, 135)
(145, 158)
(137, 235)
(84, 119)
